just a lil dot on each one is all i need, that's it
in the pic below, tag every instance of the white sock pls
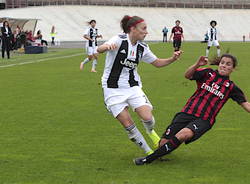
(149, 124)
(218, 52)
(135, 136)
(86, 60)
(94, 64)
(207, 52)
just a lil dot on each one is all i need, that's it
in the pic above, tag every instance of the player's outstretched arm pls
(200, 62)
(105, 47)
(163, 62)
(246, 106)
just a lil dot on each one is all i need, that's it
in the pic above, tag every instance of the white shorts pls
(117, 99)
(91, 50)
(213, 43)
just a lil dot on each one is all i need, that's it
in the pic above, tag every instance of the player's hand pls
(177, 54)
(203, 60)
(111, 46)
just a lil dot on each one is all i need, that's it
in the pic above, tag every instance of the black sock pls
(170, 146)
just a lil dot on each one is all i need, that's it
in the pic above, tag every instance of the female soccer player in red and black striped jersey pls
(177, 32)
(214, 88)
(121, 82)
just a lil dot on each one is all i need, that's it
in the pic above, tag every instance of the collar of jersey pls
(223, 76)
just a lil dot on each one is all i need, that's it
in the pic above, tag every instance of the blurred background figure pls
(91, 35)
(6, 38)
(39, 36)
(165, 34)
(53, 35)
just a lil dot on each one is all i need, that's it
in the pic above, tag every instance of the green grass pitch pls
(54, 128)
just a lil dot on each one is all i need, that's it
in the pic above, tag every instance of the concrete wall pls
(70, 21)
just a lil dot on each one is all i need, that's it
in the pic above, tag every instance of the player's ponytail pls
(127, 22)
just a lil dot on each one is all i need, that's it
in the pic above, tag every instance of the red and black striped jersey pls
(177, 31)
(213, 91)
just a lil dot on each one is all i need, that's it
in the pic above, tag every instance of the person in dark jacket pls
(6, 38)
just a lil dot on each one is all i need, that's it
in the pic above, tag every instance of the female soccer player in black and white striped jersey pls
(91, 35)
(122, 84)
(214, 88)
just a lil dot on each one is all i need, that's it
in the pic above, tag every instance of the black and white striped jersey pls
(92, 33)
(121, 64)
(212, 34)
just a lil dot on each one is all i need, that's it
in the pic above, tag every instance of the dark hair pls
(5, 23)
(217, 60)
(90, 22)
(127, 22)
(177, 21)
(213, 21)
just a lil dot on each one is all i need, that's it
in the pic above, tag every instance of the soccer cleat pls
(81, 66)
(155, 138)
(93, 70)
(140, 161)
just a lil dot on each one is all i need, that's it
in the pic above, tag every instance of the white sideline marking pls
(40, 60)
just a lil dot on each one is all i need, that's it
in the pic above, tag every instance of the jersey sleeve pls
(114, 40)
(237, 95)
(148, 56)
(200, 74)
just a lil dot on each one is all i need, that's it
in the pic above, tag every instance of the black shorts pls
(177, 44)
(184, 120)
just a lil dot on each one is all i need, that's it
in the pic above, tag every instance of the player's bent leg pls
(185, 134)
(94, 63)
(86, 60)
(163, 141)
(145, 113)
(133, 133)
(166, 148)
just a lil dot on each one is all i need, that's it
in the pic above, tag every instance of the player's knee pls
(185, 134)
(162, 142)
(148, 118)
(90, 57)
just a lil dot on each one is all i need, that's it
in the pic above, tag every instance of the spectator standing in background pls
(6, 38)
(53, 35)
(165, 34)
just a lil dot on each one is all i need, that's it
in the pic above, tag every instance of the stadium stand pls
(70, 20)
(226, 4)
